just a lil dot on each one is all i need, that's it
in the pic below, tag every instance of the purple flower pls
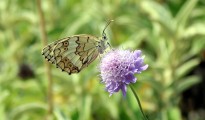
(118, 67)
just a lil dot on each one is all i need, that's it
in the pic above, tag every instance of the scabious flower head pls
(117, 69)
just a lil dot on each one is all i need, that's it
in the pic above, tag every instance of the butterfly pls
(72, 54)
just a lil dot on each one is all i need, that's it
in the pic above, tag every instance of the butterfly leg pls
(109, 45)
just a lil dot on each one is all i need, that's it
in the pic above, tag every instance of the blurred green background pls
(171, 34)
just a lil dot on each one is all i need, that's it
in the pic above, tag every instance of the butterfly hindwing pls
(47, 52)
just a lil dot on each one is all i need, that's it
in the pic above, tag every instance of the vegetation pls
(170, 33)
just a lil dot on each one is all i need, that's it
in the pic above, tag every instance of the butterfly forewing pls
(72, 54)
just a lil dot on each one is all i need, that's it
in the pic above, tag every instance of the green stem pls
(47, 65)
(138, 101)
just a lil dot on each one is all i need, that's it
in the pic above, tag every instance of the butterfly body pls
(74, 53)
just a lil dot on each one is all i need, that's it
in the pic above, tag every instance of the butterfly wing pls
(47, 52)
(74, 53)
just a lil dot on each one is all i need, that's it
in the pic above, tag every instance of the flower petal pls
(124, 89)
(132, 68)
(130, 78)
(137, 53)
(144, 67)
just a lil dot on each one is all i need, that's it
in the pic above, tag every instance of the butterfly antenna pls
(108, 23)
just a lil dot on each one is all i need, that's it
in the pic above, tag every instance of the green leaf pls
(186, 67)
(85, 109)
(197, 46)
(160, 14)
(59, 114)
(185, 11)
(156, 87)
(135, 39)
(196, 29)
(186, 83)
(25, 109)
(174, 113)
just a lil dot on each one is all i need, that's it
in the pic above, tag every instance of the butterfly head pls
(103, 43)
(104, 36)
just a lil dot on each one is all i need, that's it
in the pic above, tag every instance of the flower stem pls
(138, 101)
(47, 65)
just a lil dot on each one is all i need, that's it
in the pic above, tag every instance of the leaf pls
(157, 86)
(174, 113)
(135, 39)
(197, 46)
(59, 114)
(85, 109)
(186, 67)
(4, 95)
(25, 108)
(160, 14)
(185, 11)
(196, 29)
(186, 83)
